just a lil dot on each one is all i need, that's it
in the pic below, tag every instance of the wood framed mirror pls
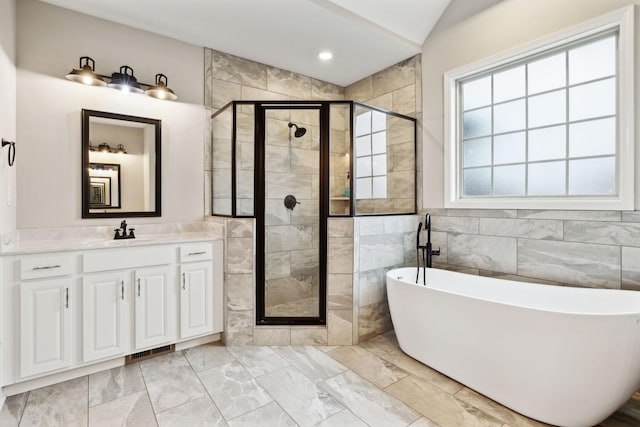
(121, 165)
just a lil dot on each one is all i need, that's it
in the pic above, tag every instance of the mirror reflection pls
(104, 182)
(121, 163)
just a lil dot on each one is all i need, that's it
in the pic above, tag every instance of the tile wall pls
(598, 249)
(398, 89)
(356, 305)
(229, 78)
(381, 243)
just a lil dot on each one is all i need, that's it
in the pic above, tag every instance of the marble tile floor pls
(372, 384)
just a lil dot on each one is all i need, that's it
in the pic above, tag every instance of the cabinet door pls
(154, 314)
(196, 299)
(104, 315)
(45, 326)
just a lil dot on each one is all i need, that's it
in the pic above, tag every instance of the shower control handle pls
(290, 202)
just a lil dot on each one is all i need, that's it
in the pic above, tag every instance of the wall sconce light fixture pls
(106, 148)
(124, 80)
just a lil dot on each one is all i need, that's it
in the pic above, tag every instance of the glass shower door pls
(292, 214)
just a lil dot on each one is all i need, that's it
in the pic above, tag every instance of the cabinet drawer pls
(123, 258)
(196, 252)
(39, 266)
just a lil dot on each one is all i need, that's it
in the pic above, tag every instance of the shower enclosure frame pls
(260, 210)
(259, 138)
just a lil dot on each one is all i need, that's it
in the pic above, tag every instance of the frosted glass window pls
(509, 180)
(379, 187)
(476, 152)
(363, 123)
(476, 93)
(509, 84)
(363, 166)
(548, 143)
(546, 125)
(547, 179)
(363, 145)
(509, 116)
(592, 100)
(363, 188)
(379, 143)
(548, 109)
(592, 61)
(592, 138)
(592, 176)
(379, 165)
(378, 121)
(476, 123)
(509, 148)
(547, 73)
(476, 182)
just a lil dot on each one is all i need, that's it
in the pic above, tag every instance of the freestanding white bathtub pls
(561, 355)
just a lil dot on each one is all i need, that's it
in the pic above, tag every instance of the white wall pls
(498, 28)
(50, 41)
(7, 114)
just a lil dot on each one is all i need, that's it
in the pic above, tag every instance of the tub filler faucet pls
(425, 250)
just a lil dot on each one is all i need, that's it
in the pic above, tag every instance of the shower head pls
(300, 131)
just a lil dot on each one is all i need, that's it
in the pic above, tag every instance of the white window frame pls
(622, 20)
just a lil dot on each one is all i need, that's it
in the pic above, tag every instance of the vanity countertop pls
(43, 246)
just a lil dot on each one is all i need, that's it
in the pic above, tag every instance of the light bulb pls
(87, 80)
(325, 55)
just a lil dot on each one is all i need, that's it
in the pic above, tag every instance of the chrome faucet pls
(121, 233)
(426, 250)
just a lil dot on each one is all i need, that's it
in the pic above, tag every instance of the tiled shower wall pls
(361, 251)
(381, 243)
(599, 249)
(229, 78)
(356, 305)
(398, 89)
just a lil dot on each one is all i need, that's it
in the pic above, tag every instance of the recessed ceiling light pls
(325, 55)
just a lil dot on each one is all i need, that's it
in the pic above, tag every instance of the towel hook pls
(11, 157)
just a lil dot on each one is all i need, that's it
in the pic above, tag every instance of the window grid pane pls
(560, 105)
(371, 155)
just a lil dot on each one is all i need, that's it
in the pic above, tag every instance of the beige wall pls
(7, 114)
(50, 41)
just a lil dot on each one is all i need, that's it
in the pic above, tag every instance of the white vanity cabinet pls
(200, 300)
(154, 307)
(45, 319)
(105, 317)
(68, 313)
(153, 293)
(46, 303)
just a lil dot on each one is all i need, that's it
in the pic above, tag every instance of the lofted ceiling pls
(365, 36)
